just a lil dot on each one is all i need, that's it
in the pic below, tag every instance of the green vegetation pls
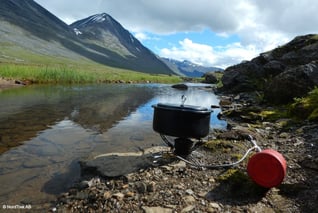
(219, 75)
(43, 74)
(21, 64)
(301, 109)
(315, 37)
(238, 185)
(306, 107)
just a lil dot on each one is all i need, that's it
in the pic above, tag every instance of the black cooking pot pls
(183, 121)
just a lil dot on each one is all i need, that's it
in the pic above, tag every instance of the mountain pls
(103, 33)
(31, 34)
(187, 68)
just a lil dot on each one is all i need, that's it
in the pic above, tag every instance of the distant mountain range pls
(31, 34)
(187, 68)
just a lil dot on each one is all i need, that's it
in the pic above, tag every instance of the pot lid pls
(182, 107)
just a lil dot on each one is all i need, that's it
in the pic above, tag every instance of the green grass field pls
(20, 64)
(61, 74)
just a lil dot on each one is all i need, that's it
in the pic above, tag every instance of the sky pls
(216, 33)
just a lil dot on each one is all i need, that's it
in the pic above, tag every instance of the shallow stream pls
(46, 130)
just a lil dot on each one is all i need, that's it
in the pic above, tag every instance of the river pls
(46, 130)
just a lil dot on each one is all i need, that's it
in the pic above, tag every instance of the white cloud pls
(197, 53)
(220, 56)
(260, 25)
(141, 36)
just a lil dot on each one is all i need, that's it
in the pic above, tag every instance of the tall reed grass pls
(61, 74)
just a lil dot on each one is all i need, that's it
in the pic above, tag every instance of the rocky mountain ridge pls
(188, 68)
(281, 75)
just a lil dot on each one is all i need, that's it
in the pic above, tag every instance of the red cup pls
(267, 168)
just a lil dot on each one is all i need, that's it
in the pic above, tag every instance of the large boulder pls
(240, 77)
(273, 68)
(294, 82)
(209, 78)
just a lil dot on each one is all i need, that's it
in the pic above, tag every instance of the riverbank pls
(177, 187)
(6, 84)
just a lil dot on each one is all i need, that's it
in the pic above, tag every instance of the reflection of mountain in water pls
(103, 110)
(27, 111)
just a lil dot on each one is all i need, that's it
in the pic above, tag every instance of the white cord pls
(255, 147)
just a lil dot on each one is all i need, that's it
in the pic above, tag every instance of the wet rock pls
(82, 185)
(35, 163)
(180, 86)
(115, 166)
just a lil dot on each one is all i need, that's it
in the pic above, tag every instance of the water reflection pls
(53, 127)
(27, 111)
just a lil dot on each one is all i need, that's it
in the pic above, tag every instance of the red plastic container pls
(267, 168)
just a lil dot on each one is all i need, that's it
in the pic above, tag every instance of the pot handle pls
(183, 100)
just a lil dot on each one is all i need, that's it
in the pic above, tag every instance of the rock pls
(107, 194)
(156, 210)
(239, 78)
(141, 187)
(215, 206)
(215, 106)
(189, 192)
(81, 195)
(115, 166)
(179, 165)
(284, 73)
(188, 209)
(82, 185)
(180, 86)
(129, 194)
(273, 68)
(151, 187)
(189, 200)
(292, 83)
(118, 196)
(209, 78)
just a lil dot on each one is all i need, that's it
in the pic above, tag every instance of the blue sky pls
(208, 32)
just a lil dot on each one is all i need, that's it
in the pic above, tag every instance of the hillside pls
(31, 34)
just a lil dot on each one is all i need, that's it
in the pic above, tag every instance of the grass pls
(306, 107)
(58, 74)
(20, 64)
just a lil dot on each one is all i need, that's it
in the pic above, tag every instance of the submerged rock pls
(180, 86)
(120, 164)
